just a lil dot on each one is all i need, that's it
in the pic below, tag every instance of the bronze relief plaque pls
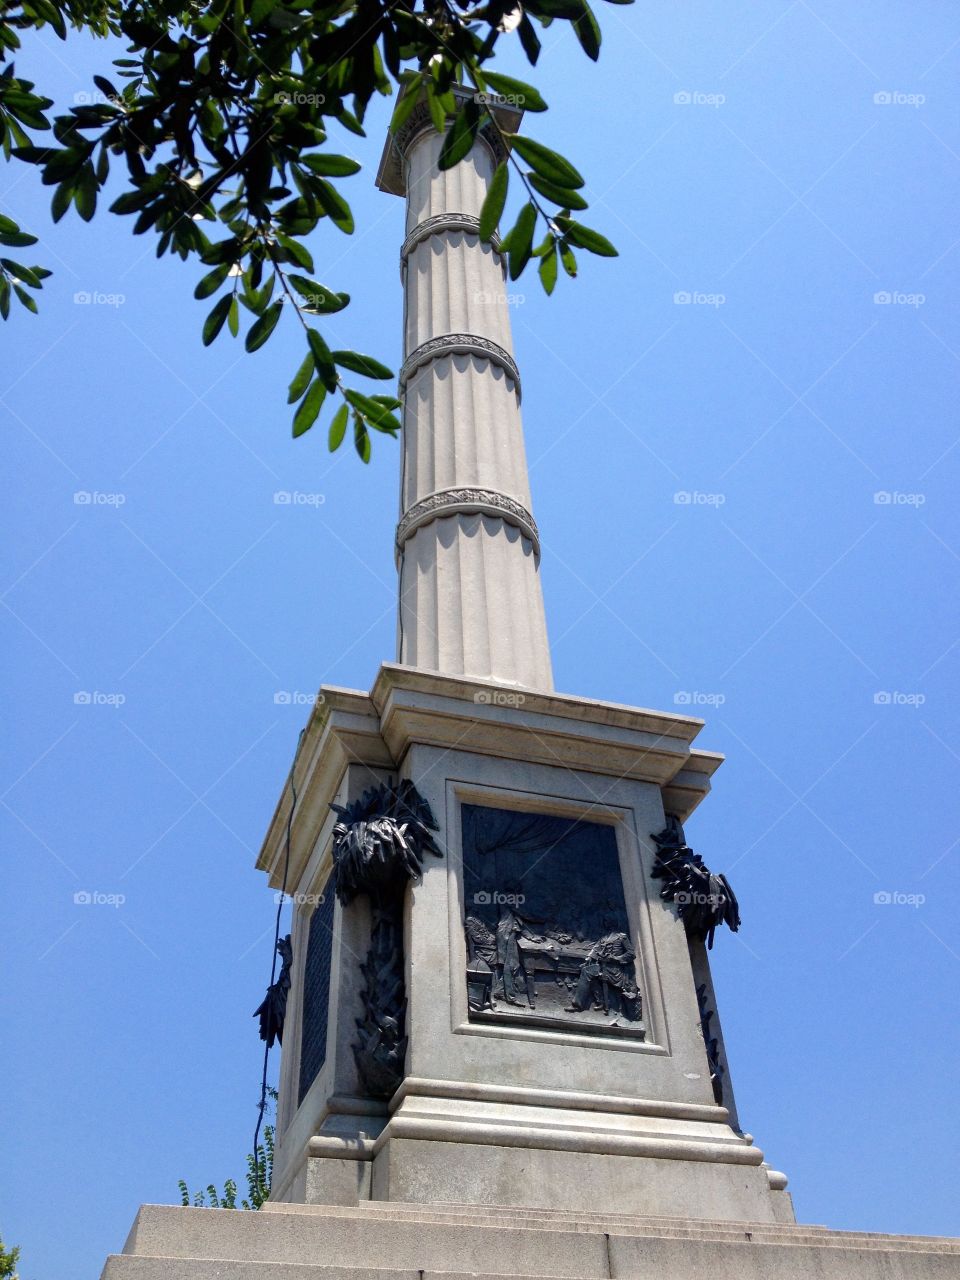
(548, 937)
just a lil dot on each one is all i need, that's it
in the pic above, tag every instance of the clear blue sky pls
(132, 1056)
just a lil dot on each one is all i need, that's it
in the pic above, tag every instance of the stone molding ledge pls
(452, 502)
(541, 1137)
(437, 225)
(470, 1091)
(460, 344)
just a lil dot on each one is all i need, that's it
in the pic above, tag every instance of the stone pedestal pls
(534, 1102)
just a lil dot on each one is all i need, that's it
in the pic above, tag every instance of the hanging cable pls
(262, 1106)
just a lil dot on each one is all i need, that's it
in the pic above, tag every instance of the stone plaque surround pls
(501, 1112)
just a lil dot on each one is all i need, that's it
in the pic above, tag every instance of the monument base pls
(499, 1147)
(380, 1241)
(535, 1087)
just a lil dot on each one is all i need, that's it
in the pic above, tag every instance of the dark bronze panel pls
(316, 992)
(548, 938)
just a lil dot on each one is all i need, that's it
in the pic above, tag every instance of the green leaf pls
(331, 166)
(586, 238)
(524, 95)
(214, 321)
(521, 239)
(350, 121)
(306, 415)
(25, 275)
(587, 31)
(547, 163)
(460, 136)
(568, 259)
(338, 428)
(529, 40)
(548, 270)
(557, 8)
(494, 201)
(212, 281)
(233, 316)
(262, 328)
(375, 413)
(296, 252)
(436, 108)
(335, 207)
(301, 379)
(365, 365)
(7, 225)
(105, 87)
(326, 369)
(85, 196)
(562, 196)
(61, 200)
(361, 439)
(319, 299)
(25, 298)
(17, 239)
(409, 96)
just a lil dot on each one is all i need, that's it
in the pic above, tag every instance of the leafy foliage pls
(224, 117)
(259, 1175)
(8, 1261)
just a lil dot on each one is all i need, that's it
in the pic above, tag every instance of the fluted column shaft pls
(468, 549)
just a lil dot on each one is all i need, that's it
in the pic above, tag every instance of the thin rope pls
(273, 967)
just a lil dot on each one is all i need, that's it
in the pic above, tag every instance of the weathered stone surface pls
(406, 1242)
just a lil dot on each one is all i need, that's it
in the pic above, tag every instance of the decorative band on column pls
(459, 344)
(452, 502)
(420, 121)
(439, 223)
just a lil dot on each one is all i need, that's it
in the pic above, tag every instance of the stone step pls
(663, 1259)
(631, 1224)
(338, 1237)
(406, 1242)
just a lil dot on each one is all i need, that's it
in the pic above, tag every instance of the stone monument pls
(501, 1051)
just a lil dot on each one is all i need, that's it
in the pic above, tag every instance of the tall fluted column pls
(467, 545)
